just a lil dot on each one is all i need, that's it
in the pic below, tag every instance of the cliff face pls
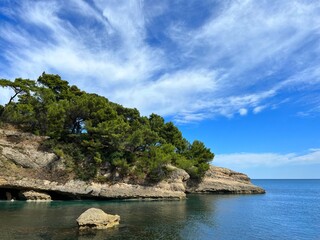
(25, 166)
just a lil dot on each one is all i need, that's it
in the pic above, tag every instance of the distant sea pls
(289, 210)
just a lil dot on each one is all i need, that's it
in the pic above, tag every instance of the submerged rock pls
(95, 218)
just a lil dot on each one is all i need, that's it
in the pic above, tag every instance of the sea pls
(290, 209)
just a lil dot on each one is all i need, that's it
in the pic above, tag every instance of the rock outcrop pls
(176, 181)
(75, 189)
(95, 218)
(22, 149)
(34, 196)
(25, 166)
(223, 180)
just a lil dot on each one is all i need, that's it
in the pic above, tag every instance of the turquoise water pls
(289, 210)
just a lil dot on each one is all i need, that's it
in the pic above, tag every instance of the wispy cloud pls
(235, 58)
(250, 160)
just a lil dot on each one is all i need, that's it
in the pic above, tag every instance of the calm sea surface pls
(289, 210)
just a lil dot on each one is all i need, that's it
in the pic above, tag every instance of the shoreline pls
(25, 167)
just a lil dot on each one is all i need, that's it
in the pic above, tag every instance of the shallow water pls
(289, 210)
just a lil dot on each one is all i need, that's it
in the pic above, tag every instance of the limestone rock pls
(129, 191)
(78, 189)
(34, 196)
(176, 181)
(223, 180)
(22, 149)
(95, 218)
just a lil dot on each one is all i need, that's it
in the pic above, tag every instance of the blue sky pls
(241, 76)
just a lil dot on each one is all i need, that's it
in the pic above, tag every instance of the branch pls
(12, 97)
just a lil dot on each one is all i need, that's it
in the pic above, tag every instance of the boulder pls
(95, 218)
(34, 196)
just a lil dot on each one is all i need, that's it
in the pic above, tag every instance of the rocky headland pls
(29, 172)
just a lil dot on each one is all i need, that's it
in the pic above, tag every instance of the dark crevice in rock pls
(55, 195)
(14, 194)
(9, 194)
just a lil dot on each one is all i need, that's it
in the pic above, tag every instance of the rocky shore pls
(25, 167)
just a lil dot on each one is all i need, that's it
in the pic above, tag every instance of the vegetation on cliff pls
(92, 133)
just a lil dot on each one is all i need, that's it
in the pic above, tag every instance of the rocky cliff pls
(223, 180)
(25, 166)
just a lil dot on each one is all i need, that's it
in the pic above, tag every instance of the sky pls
(241, 76)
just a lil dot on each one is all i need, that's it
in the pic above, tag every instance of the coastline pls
(23, 167)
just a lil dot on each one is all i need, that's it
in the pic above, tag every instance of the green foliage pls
(173, 136)
(88, 131)
(200, 156)
(19, 86)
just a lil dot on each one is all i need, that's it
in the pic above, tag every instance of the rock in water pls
(34, 196)
(95, 218)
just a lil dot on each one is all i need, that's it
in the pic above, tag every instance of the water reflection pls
(194, 218)
(289, 210)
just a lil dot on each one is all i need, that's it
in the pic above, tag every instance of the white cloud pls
(258, 109)
(231, 64)
(250, 160)
(250, 32)
(181, 91)
(251, 35)
(70, 53)
(243, 111)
